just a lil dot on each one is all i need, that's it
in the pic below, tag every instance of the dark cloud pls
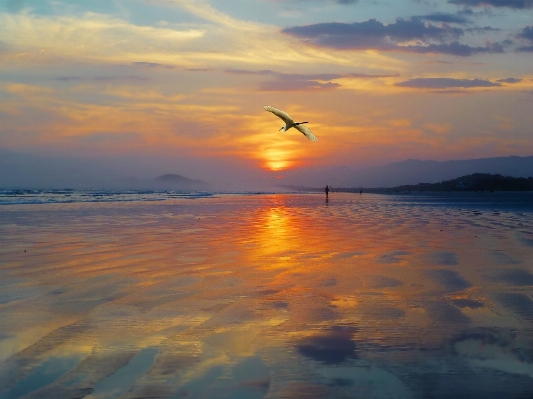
(454, 48)
(372, 33)
(526, 33)
(446, 83)
(471, 13)
(445, 17)
(508, 80)
(482, 30)
(466, 11)
(498, 47)
(494, 47)
(333, 347)
(519, 4)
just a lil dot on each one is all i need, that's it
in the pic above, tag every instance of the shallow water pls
(269, 296)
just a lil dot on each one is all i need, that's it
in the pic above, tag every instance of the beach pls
(268, 296)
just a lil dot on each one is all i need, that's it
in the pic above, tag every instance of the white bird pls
(289, 122)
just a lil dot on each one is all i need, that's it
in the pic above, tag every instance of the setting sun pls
(275, 159)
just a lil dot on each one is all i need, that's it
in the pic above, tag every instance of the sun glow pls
(276, 166)
(276, 159)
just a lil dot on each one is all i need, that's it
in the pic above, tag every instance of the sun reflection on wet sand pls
(266, 296)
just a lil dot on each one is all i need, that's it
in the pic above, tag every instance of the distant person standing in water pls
(327, 190)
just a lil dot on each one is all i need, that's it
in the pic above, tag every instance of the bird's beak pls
(280, 128)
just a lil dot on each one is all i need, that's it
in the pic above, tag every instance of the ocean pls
(55, 196)
(275, 295)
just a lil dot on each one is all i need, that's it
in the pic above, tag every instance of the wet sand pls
(266, 296)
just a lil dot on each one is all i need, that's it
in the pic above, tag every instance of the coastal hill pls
(168, 181)
(475, 182)
(412, 171)
(177, 181)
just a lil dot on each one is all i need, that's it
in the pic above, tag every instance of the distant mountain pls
(177, 181)
(412, 171)
(164, 182)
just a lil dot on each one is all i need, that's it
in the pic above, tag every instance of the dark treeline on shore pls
(476, 182)
(479, 182)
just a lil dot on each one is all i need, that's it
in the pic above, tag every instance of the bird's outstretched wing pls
(307, 133)
(279, 113)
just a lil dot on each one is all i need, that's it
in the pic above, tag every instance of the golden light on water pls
(277, 223)
(277, 232)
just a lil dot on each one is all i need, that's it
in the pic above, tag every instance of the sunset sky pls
(178, 86)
